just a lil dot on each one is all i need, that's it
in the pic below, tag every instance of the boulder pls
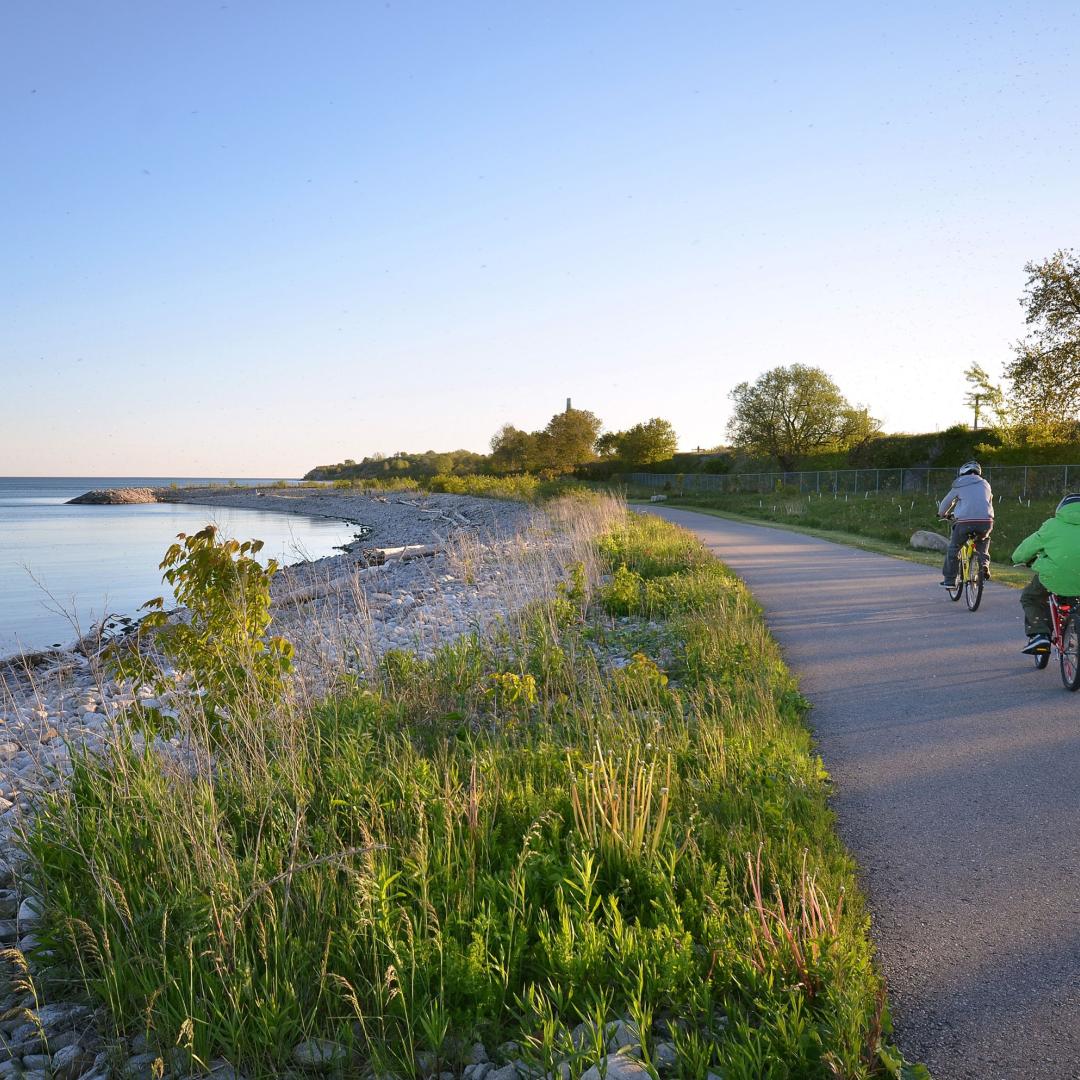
(924, 540)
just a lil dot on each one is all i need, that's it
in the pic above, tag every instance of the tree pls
(983, 396)
(642, 444)
(1045, 376)
(607, 445)
(857, 427)
(791, 411)
(513, 450)
(568, 440)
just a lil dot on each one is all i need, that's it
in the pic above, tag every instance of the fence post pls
(1025, 481)
(1066, 479)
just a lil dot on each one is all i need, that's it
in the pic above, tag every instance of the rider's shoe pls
(1037, 643)
(947, 584)
(986, 572)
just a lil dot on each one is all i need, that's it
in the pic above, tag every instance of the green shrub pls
(622, 595)
(222, 647)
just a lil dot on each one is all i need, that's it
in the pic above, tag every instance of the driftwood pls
(454, 517)
(370, 558)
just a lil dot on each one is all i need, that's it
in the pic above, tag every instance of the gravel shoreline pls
(427, 569)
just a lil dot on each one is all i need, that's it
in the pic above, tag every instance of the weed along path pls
(957, 784)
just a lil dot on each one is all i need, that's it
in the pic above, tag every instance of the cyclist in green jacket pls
(1055, 553)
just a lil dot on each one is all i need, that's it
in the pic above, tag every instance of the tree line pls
(793, 412)
(571, 439)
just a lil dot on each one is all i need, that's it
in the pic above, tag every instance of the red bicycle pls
(1064, 639)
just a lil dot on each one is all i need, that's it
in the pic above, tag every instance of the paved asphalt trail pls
(957, 784)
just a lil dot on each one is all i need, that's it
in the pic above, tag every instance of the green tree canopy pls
(642, 444)
(790, 411)
(568, 440)
(513, 450)
(1044, 377)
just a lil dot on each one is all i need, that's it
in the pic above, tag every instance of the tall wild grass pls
(610, 808)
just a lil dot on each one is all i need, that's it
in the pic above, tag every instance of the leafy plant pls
(221, 646)
(622, 595)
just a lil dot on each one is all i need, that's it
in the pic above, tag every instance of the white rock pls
(664, 1055)
(29, 913)
(624, 1037)
(617, 1067)
(71, 1061)
(318, 1054)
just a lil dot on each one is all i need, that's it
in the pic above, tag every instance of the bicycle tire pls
(1070, 654)
(973, 582)
(957, 591)
(1041, 660)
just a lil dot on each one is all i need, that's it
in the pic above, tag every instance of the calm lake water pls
(61, 563)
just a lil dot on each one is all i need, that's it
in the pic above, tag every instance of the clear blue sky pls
(249, 237)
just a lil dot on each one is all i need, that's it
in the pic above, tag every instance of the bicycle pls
(969, 582)
(1064, 639)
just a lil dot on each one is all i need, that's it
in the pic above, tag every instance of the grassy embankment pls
(879, 522)
(612, 809)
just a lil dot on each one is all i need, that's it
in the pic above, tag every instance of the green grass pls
(612, 809)
(880, 523)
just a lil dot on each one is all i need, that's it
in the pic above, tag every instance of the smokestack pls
(567, 404)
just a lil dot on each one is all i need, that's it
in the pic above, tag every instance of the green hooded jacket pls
(1056, 551)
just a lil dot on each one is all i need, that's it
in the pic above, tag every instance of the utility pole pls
(567, 404)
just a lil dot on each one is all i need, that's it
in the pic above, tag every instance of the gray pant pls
(1035, 600)
(961, 530)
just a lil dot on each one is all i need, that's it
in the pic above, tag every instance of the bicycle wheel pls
(958, 588)
(973, 582)
(1042, 659)
(1070, 654)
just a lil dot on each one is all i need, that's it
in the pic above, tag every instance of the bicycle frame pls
(968, 585)
(1059, 612)
(1064, 640)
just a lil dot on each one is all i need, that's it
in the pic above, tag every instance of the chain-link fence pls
(1022, 481)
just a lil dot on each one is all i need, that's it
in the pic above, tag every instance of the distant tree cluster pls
(417, 466)
(570, 439)
(642, 444)
(791, 413)
(566, 442)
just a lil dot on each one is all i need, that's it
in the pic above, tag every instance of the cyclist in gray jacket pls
(970, 504)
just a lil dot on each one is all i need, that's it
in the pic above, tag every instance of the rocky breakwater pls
(117, 497)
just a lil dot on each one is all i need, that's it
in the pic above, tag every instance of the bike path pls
(956, 768)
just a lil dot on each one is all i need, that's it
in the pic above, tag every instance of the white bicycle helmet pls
(1073, 496)
(968, 468)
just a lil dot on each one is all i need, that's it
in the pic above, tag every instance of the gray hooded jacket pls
(973, 499)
